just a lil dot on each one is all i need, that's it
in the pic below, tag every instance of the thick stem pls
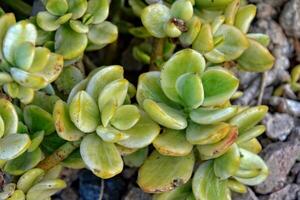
(19, 6)
(157, 53)
(59, 155)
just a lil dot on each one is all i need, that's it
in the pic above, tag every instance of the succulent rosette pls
(192, 104)
(79, 25)
(24, 68)
(217, 29)
(22, 143)
(100, 113)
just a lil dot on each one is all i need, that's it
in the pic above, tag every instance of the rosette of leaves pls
(24, 68)
(218, 30)
(22, 134)
(99, 112)
(192, 104)
(79, 25)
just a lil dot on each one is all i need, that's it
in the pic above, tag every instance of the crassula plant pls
(178, 126)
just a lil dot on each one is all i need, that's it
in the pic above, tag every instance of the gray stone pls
(290, 18)
(286, 105)
(265, 10)
(250, 195)
(278, 125)
(137, 194)
(280, 158)
(289, 192)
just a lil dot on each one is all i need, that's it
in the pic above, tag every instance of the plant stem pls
(262, 88)
(157, 53)
(20, 6)
(59, 155)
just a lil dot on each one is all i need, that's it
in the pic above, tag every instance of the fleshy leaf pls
(136, 159)
(181, 192)
(172, 143)
(165, 115)
(154, 17)
(13, 145)
(63, 124)
(103, 33)
(142, 134)
(219, 85)
(28, 179)
(155, 175)
(9, 116)
(184, 61)
(102, 158)
(212, 115)
(38, 119)
(125, 117)
(77, 8)
(24, 54)
(109, 134)
(99, 9)
(36, 140)
(46, 21)
(244, 17)
(45, 189)
(207, 186)
(204, 40)
(206, 134)
(182, 9)
(84, 112)
(6, 21)
(250, 133)
(41, 57)
(194, 26)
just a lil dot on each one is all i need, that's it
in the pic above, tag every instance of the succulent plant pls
(79, 25)
(192, 104)
(21, 151)
(24, 68)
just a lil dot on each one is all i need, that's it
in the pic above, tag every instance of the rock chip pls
(280, 158)
(286, 105)
(278, 125)
(289, 192)
(290, 18)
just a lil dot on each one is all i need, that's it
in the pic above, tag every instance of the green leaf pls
(103, 77)
(78, 26)
(109, 134)
(24, 54)
(154, 17)
(30, 178)
(142, 134)
(17, 34)
(244, 17)
(36, 140)
(13, 145)
(149, 88)
(84, 112)
(249, 117)
(228, 164)
(206, 134)
(77, 8)
(181, 192)
(250, 133)
(261, 38)
(9, 116)
(6, 21)
(204, 40)
(252, 162)
(207, 186)
(17, 195)
(63, 124)
(184, 61)
(165, 115)
(57, 7)
(215, 150)
(252, 145)
(2, 127)
(125, 117)
(46, 21)
(212, 115)
(99, 9)
(182, 9)
(74, 161)
(102, 158)
(190, 89)
(155, 175)
(69, 43)
(263, 58)
(209, 4)
(193, 26)
(38, 119)
(172, 143)
(219, 85)
(41, 57)
(115, 91)
(29, 80)
(25, 95)
(136, 159)
(45, 189)
(103, 33)
(24, 162)
(233, 44)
